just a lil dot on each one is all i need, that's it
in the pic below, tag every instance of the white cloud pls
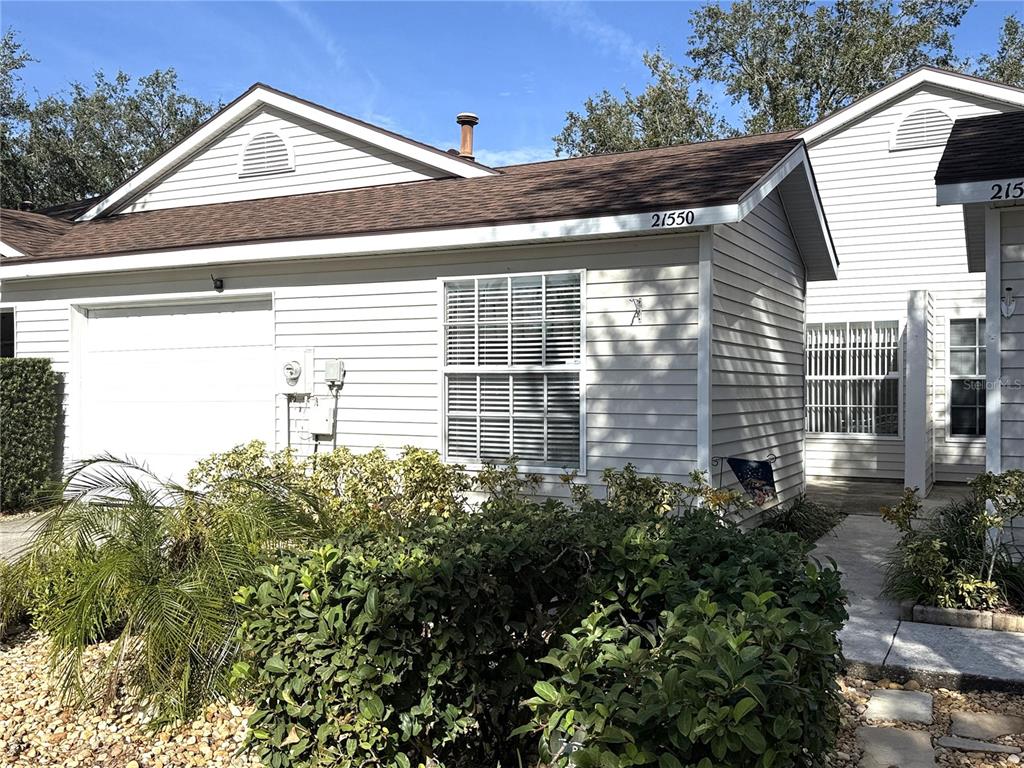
(580, 19)
(497, 157)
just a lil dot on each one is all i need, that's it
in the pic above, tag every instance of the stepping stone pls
(894, 748)
(977, 725)
(900, 706)
(973, 745)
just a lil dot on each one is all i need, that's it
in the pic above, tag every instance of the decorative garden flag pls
(756, 477)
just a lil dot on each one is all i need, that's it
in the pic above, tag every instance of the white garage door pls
(171, 384)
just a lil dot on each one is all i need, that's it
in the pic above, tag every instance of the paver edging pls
(961, 617)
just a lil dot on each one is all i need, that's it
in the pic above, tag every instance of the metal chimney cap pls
(466, 118)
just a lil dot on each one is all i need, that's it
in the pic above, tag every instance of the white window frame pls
(948, 388)
(580, 368)
(900, 377)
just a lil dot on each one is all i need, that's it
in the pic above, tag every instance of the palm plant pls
(156, 566)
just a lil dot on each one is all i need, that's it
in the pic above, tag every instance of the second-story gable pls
(877, 182)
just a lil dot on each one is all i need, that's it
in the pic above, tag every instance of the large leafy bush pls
(956, 557)
(420, 646)
(154, 565)
(29, 415)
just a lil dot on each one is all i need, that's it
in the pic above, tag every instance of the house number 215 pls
(1011, 190)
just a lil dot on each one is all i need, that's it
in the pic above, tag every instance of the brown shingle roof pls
(30, 233)
(694, 175)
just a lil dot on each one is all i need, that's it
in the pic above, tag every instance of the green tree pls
(787, 63)
(87, 140)
(1007, 64)
(14, 110)
(792, 62)
(663, 114)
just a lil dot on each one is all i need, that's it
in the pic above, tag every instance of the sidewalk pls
(15, 532)
(878, 644)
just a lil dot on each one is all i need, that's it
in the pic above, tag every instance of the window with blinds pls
(853, 377)
(512, 360)
(967, 377)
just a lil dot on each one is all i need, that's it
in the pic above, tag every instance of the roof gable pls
(262, 100)
(273, 153)
(910, 84)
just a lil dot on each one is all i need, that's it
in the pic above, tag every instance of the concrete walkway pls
(15, 533)
(878, 644)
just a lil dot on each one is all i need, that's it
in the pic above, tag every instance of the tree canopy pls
(786, 64)
(88, 139)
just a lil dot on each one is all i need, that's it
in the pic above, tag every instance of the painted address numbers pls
(1008, 190)
(672, 219)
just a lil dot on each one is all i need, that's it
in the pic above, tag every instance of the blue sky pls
(410, 67)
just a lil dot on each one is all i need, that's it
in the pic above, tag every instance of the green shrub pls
(946, 558)
(810, 520)
(419, 646)
(155, 566)
(30, 413)
(342, 487)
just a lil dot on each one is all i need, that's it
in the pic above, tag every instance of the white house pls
(643, 307)
(896, 345)
(982, 171)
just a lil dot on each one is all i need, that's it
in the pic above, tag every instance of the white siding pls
(891, 238)
(758, 345)
(323, 160)
(381, 315)
(1012, 340)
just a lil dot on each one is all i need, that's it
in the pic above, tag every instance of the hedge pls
(29, 415)
(533, 632)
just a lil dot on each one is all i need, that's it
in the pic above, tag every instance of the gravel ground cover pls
(35, 730)
(856, 693)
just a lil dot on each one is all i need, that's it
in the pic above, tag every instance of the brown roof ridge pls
(770, 136)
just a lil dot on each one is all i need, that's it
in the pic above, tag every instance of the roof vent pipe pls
(467, 120)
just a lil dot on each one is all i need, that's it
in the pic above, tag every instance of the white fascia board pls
(880, 98)
(249, 103)
(390, 243)
(796, 159)
(992, 191)
(9, 251)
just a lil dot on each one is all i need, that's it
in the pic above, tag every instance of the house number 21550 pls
(672, 219)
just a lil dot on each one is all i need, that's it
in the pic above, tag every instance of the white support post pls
(705, 315)
(917, 431)
(993, 352)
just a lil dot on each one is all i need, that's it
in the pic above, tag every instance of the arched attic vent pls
(266, 154)
(922, 128)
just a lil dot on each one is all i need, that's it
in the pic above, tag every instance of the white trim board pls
(260, 96)
(993, 342)
(992, 191)
(444, 239)
(924, 76)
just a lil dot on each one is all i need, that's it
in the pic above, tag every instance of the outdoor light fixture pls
(1008, 303)
(218, 284)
